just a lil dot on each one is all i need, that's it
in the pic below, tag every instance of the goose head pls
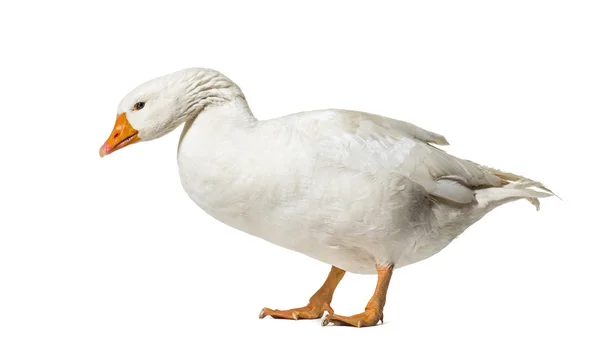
(160, 105)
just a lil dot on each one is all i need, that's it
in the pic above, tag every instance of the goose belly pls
(352, 229)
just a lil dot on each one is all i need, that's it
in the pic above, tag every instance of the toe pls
(359, 320)
(292, 314)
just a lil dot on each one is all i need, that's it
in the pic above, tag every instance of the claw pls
(262, 314)
(325, 320)
(359, 324)
(295, 315)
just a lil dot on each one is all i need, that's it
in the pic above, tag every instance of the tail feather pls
(511, 188)
(515, 187)
(522, 181)
(495, 196)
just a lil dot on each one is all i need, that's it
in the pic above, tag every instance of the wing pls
(380, 146)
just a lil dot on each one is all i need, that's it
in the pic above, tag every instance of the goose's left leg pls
(374, 311)
(317, 304)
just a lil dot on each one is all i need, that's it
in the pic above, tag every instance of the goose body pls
(347, 188)
(351, 189)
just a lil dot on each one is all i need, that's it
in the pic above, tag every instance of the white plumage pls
(348, 188)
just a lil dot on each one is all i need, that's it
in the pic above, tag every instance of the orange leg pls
(374, 311)
(317, 304)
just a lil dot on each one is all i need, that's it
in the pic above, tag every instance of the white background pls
(112, 253)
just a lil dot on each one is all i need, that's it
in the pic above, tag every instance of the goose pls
(363, 193)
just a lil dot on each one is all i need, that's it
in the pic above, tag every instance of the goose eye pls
(139, 106)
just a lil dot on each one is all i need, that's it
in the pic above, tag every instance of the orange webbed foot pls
(374, 311)
(367, 318)
(310, 311)
(317, 305)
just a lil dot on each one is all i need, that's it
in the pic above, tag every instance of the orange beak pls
(123, 134)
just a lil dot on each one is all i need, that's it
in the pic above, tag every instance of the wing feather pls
(380, 145)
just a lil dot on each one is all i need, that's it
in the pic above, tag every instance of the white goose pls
(361, 192)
